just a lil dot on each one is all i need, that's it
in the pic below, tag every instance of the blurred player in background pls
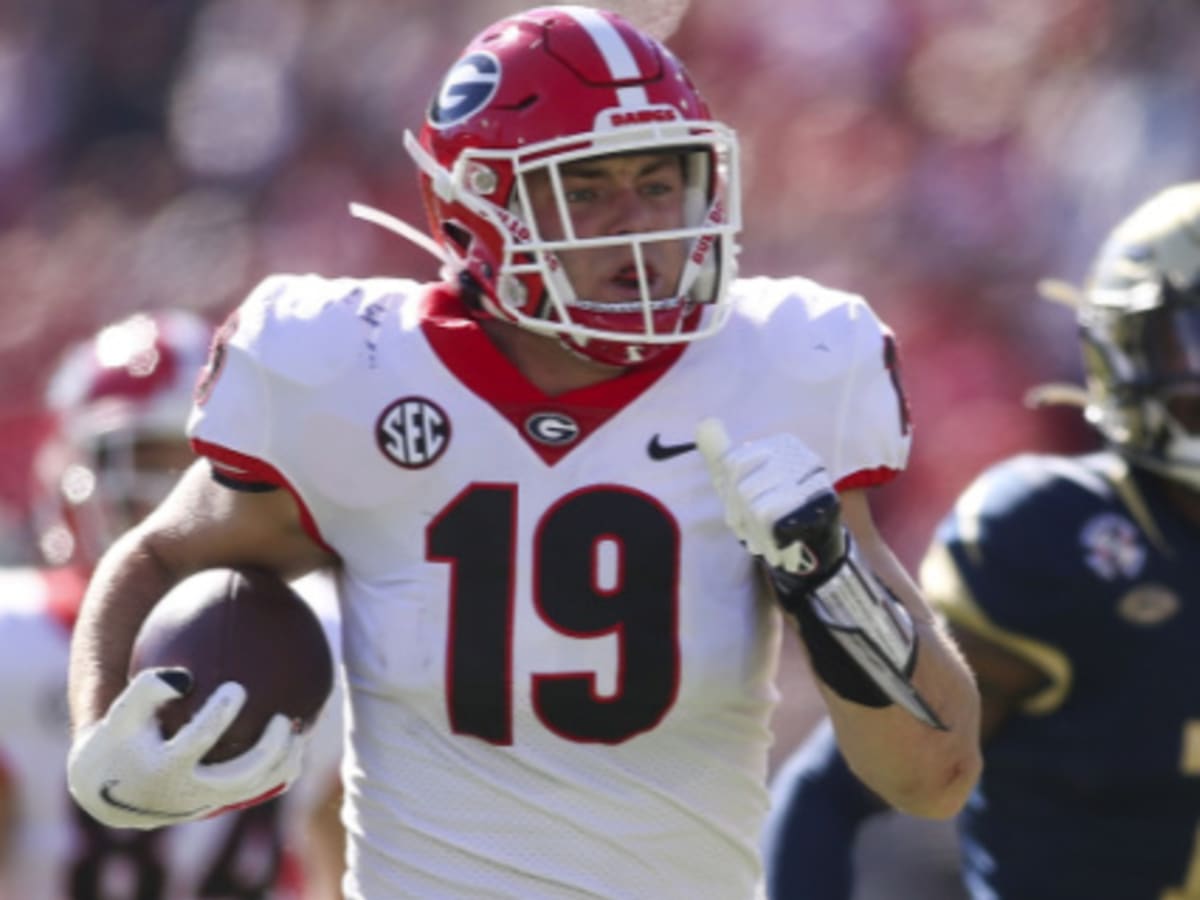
(828, 836)
(121, 402)
(1073, 588)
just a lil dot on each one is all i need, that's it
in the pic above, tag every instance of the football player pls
(558, 486)
(1071, 585)
(121, 401)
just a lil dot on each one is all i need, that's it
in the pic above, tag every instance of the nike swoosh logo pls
(106, 795)
(662, 451)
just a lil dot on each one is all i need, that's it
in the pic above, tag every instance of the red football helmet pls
(121, 401)
(554, 86)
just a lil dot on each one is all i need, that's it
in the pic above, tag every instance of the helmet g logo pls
(467, 88)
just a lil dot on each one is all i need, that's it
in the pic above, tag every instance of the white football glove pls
(124, 773)
(780, 502)
(761, 483)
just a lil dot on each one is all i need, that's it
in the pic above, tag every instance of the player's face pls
(617, 195)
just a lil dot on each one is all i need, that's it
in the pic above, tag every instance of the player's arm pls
(917, 769)
(901, 698)
(817, 808)
(200, 525)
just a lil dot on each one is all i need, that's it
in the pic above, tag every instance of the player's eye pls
(581, 195)
(659, 188)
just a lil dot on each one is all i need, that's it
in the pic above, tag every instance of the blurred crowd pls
(939, 156)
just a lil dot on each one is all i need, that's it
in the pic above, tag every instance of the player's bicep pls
(204, 523)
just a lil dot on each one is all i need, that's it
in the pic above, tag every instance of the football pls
(245, 625)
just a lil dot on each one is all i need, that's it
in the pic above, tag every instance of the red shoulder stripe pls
(252, 472)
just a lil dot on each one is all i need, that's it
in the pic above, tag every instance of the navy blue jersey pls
(1092, 790)
(817, 806)
(828, 837)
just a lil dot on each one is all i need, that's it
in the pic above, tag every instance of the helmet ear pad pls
(475, 242)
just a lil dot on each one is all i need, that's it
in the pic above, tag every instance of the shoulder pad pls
(800, 306)
(807, 332)
(829, 350)
(1009, 552)
(1025, 496)
(307, 329)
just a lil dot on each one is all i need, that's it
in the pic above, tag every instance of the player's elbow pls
(939, 789)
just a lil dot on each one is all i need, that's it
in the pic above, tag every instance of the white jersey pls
(560, 666)
(56, 851)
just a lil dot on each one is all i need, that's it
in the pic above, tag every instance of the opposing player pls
(122, 401)
(1070, 585)
(558, 486)
(829, 836)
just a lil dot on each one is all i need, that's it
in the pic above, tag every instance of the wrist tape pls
(846, 587)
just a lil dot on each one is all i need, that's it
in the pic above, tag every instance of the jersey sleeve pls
(874, 428)
(834, 362)
(290, 332)
(1004, 564)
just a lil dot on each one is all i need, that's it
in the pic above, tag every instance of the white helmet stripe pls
(621, 64)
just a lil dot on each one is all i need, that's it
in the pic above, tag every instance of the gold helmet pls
(1139, 321)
